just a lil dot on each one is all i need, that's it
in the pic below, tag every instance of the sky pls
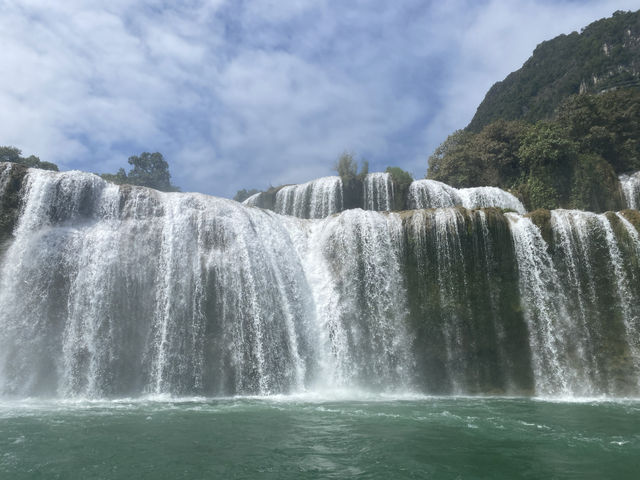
(253, 93)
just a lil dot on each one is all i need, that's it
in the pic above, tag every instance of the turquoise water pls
(304, 437)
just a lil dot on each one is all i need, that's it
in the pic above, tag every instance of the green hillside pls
(559, 131)
(606, 54)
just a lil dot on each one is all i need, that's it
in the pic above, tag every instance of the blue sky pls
(247, 94)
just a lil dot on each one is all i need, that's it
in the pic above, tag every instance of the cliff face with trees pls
(559, 131)
(605, 55)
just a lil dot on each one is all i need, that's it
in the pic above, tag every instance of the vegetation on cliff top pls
(14, 155)
(149, 170)
(570, 161)
(605, 55)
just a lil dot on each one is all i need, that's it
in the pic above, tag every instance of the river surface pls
(299, 437)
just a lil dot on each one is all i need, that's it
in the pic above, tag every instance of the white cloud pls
(243, 94)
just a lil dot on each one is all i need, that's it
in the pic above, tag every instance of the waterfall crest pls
(316, 199)
(378, 194)
(434, 194)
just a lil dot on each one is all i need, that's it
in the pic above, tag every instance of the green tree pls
(607, 125)
(120, 178)
(347, 168)
(455, 161)
(242, 195)
(10, 154)
(399, 176)
(401, 181)
(548, 157)
(13, 154)
(149, 170)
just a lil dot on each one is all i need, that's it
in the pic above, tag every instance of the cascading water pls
(483, 197)
(462, 296)
(130, 290)
(316, 199)
(253, 200)
(378, 194)
(631, 189)
(580, 303)
(116, 290)
(434, 194)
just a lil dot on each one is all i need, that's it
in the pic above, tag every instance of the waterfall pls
(631, 189)
(482, 197)
(462, 293)
(434, 194)
(354, 264)
(113, 291)
(578, 303)
(110, 290)
(253, 200)
(316, 199)
(378, 192)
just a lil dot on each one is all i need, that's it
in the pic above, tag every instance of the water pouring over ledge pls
(113, 291)
(376, 192)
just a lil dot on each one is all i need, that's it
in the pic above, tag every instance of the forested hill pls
(558, 132)
(606, 54)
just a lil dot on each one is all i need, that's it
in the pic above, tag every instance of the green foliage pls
(149, 170)
(606, 124)
(453, 160)
(242, 195)
(570, 161)
(547, 157)
(542, 219)
(565, 66)
(347, 169)
(14, 155)
(399, 176)
(539, 193)
(466, 159)
(364, 170)
(594, 184)
(401, 181)
(120, 178)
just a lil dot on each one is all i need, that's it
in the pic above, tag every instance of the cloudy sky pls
(251, 93)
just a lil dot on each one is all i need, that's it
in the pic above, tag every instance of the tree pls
(10, 154)
(149, 170)
(242, 195)
(401, 182)
(399, 176)
(118, 178)
(14, 155)
(347, 168)
(455, 162)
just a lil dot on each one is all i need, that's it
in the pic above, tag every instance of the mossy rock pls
(633, 216)
(10, 199)
(542, 219)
